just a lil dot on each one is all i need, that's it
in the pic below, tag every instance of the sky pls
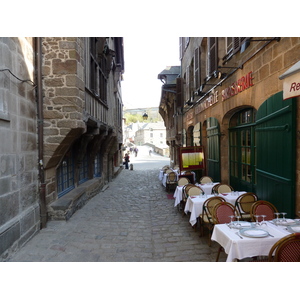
(145, 56)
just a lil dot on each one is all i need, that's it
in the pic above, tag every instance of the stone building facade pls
(19, 186)
(63, 128)
(82, 119)
(230, 99)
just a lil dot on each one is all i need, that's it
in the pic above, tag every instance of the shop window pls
(65, 175)
(97, 166)
(83, 169)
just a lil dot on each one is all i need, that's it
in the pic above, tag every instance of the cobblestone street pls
(132, 220)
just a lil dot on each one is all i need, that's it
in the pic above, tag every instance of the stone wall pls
(19, 209)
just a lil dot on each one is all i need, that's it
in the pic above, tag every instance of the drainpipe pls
(40, 125)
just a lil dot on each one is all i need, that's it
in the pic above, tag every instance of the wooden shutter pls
(213, 55)
(197, 78)
(187, 84)
(179, 91)
(237, 42)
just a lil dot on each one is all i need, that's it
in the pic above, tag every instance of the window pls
(97, 166)
(97, 69)
(83, 169)
(65, 175)
(242, 148)
(212, 55)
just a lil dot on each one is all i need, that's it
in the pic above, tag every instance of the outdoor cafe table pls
(194, 204)
(207, 189)
(238, 248)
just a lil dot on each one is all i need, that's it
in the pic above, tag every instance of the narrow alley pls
(132, 220)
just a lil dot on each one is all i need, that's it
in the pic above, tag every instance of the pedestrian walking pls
(126, 160)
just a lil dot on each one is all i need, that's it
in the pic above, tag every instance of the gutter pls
(40, 127)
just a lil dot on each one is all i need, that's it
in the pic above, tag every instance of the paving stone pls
(131, 220)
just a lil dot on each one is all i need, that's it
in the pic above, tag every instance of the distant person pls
(150, 151)
(126, 161)
(136, 150)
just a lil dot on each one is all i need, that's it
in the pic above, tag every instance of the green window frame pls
(242, 147)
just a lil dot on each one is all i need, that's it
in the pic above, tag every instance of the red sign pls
(237, 87)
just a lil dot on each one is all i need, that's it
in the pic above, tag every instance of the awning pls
(291, 82)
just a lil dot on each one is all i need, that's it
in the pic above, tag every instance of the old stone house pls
(238, 98)
(62, 126)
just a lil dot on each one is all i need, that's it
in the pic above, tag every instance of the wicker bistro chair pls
(224, 188)
(185, 195)
(243, 204)
(206, 219)
(171, 180)
(195, 191)
(205, 179)
(168, 171)
(220, 215)
(286, 249)
(262, 207)
(183, 181)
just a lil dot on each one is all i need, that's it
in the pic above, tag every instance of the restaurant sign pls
(291, 86)
(291, 82)
(237, 87)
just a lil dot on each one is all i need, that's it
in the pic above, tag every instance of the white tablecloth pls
(178, 195)
(207, 187)
(194, 204)
(178, 192)
(237, 248)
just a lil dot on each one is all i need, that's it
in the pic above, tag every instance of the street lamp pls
(145, 117)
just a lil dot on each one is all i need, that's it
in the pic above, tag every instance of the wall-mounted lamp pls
(145, 117)
(218, 74)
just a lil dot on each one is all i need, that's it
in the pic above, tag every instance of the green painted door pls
(213, 149)
(276, 147)
(242, 151)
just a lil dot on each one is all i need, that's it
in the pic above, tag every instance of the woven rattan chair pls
(224, 188)
(183, 181)
(185, 195)
(205, 219)
(206, 179)
(244, 203)
(286, 249)
(171, 180)
(195, 191)
(214, 189)
(262, 207)
(220, 215)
